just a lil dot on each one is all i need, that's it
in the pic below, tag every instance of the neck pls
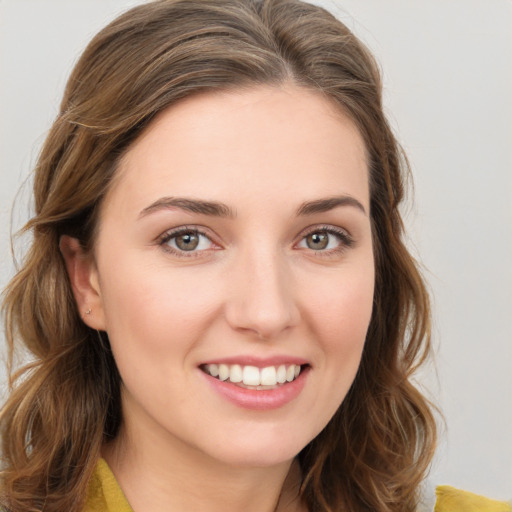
(173, 476)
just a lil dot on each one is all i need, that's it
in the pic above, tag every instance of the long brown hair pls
(66, 403)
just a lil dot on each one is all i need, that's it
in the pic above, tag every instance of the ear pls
(84, 278)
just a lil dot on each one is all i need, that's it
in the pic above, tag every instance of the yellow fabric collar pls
(105, 495)
(450, 499)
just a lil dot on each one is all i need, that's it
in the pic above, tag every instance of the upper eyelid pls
(172, 232)
(324, 227)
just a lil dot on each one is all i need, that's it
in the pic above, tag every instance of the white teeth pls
(281, 374)
(252, 375)
(235, 373)
(223, 372)
(214, 370)
(268, 376)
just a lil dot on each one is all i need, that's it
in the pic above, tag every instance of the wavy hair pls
(65, 403)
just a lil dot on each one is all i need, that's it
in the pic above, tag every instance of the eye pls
(326, 239)
(186, 240)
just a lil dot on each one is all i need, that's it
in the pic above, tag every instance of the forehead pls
(263, 142)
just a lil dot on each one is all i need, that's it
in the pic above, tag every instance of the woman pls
(219, 303)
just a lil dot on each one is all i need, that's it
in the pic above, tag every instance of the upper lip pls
(259, 362)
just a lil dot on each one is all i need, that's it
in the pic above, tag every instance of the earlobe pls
(83, 276)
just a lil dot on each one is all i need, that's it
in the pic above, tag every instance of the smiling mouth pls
(253, 377)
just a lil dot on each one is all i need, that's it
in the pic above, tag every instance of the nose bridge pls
(262, 299)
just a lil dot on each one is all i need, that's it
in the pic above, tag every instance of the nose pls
(261, 300)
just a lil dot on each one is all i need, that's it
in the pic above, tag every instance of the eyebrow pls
(217, 209)
(324, 205)
(211, 208)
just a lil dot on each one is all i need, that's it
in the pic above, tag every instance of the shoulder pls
(450, 499)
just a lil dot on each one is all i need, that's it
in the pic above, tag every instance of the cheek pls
(343, 305)
(155, 307)
(340, 313)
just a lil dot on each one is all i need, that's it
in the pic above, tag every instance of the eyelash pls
(345, 240)
(164, 240)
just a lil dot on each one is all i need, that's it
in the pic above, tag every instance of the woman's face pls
(234, 252)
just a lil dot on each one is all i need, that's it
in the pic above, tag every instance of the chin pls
(259, 450)
(257, 459)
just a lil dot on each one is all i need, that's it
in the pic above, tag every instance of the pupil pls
(317, 241)
(187, 242)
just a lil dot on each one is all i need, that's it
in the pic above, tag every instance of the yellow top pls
(105, 495)
(450, 499)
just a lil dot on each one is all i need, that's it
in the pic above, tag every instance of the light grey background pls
(448, 84)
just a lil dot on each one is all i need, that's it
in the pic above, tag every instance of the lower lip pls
(259, 400)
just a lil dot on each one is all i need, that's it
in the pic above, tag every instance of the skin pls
(254, 287)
